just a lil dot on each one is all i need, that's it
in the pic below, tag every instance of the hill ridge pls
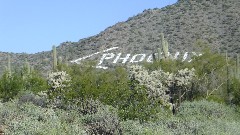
(216, 22)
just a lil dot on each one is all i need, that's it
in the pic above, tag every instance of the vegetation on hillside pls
(165, 97)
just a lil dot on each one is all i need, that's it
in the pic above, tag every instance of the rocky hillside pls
(183, 23)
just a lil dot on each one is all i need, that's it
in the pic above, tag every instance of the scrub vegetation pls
(164, 97)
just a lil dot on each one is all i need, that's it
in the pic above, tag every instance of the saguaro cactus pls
(60, 60)
(27, 66)
(159, 51)
(54, 53)
(237, 67)
(164, 48)
(9, 70)
(32, 69)
(228, 77)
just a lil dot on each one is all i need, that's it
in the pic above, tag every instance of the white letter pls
(141, 58)
(176, 55)
(88, 56)
(195, 54)
(105, 56)
(124, 58)
(150, 58)
(185, 56)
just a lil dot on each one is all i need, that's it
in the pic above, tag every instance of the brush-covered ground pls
(197, 117)
(165, 97)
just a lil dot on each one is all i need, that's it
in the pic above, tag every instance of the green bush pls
(29, 97)
(198, 117)
(212, 71)
(131, 127)
(104, 122)
(235, 88)
(59, 84)
(137, 105)
(18, 81)
(207, 110)
(10, 86)
(34, 82)
(30, 119)
(113, 87)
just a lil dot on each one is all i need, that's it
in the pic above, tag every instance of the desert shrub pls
(19, 81)
(152, 81)
(180, 85)
(105, 121)
(167, 65)
(31, 119)
(83, 82)
(91, 83)
(112, 87)
(167, 88)
(131, 127)
(137, 105)
(83, 106)
(34, 82)
(10, 86)
(202, 117)
(59, 85)
(207, 109)
(197, 117)
(30, 97)
(89, 106)
(235, 88)
(135, 127)
(211, 70)
(32, 79)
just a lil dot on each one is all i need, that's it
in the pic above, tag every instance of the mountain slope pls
(183, 23)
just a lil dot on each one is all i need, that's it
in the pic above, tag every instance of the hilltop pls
(216, 22)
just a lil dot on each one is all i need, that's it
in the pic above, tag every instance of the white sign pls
(124, 58)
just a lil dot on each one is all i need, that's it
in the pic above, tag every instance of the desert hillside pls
(216, 22)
